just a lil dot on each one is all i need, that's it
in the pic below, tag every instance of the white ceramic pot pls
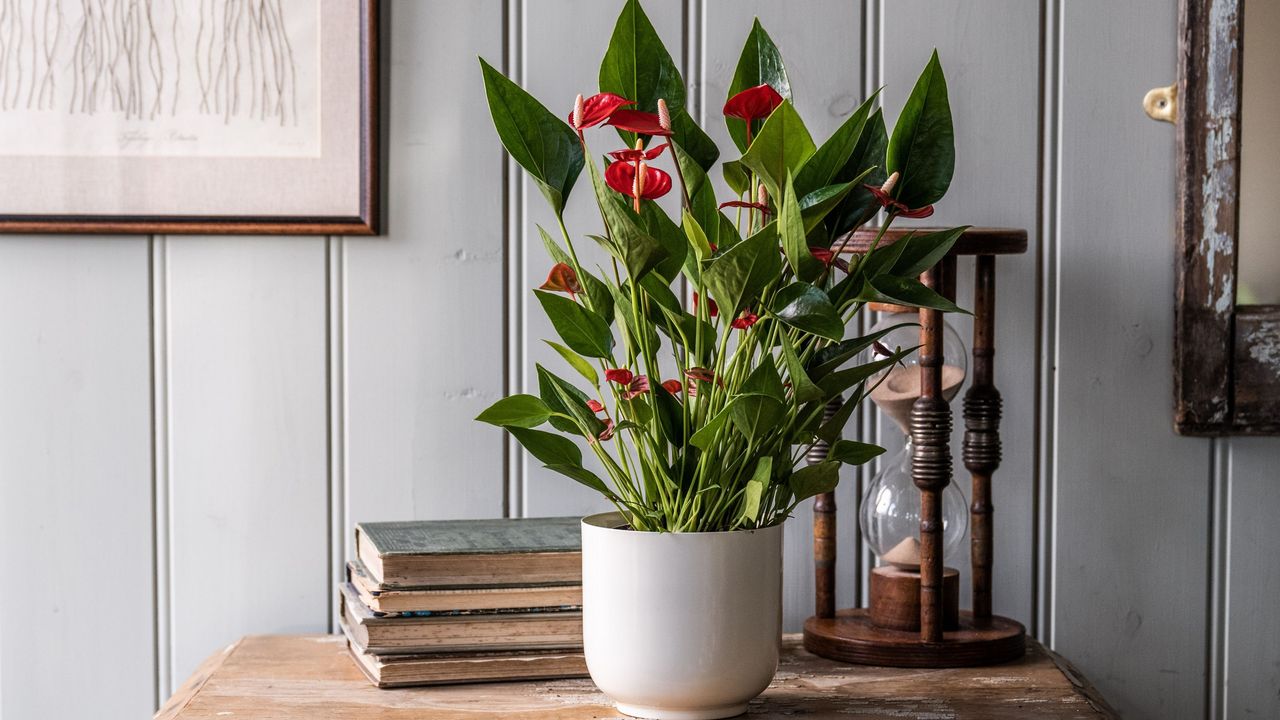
(680, 626)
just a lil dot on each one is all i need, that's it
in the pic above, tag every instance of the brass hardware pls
(1162, 103)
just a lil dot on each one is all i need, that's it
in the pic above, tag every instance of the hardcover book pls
(457, 633)
(391, 671)
(471, 553)
(446, 600)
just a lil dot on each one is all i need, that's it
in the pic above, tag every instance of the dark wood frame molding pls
(365, 223)
(1226, 356)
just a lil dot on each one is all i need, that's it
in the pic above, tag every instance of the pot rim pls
(612, 521)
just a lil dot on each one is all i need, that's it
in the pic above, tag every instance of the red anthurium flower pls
(701, 374)
(596, 109)
(639, 386)
(762, 207)
(621, 376)
(640, 122)
(828, 258)
(887, 202)
(622, 176)
(753, 103)
(562, 278)
(638, 155)
(594, 405)
(713, 308)
(672, 386)
(607, 432)
(745, 320)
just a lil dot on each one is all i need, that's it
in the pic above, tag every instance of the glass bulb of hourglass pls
(896, 388)
(890, 515)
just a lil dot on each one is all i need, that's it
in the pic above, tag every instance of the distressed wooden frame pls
(366, 222)
(1226, 356)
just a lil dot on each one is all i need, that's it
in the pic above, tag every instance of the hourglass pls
(911, 516)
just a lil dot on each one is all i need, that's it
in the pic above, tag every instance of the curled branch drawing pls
(134, 58)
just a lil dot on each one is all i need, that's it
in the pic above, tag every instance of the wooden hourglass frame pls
(944, 636)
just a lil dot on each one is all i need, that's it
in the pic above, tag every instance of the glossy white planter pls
(680, 626)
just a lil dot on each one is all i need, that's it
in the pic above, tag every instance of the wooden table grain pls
(288, 677)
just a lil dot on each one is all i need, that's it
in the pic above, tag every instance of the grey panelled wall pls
(189, 426)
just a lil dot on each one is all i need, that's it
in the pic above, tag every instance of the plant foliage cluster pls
(700, 412)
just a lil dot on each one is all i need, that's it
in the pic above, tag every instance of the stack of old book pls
(465, 601)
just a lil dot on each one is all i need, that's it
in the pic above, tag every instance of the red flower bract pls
(638, 155)
(828, 258)
(622, 376)
(594, 405)
(607, 432)
(621, 176)
(638, 122)
(638, 386)
(672, 386)
(598, 108)
(562, 278)
(896, 207)
(701, 374)
(753, 103)
(712, 309)
(745, 320)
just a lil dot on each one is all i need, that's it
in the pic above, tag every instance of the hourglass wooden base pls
(852, 637)
(895, 598)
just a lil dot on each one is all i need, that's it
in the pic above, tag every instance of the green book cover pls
(471, 537)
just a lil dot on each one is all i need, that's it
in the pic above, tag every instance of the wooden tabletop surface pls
(283, 677)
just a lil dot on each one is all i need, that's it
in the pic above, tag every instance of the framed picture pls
(189, 116)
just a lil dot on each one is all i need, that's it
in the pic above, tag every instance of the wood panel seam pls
(1219, 560)
(1047, 309)
(514, 237)
(161, 477)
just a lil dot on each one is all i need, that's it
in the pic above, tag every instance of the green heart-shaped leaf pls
(782, 146)
(581, 329)
(851, 452)
(549, 448)
(759, 64)
(516, 411)
(815, 479)
(737, 275)
(922, 148)
(805, 307)
(543, 144)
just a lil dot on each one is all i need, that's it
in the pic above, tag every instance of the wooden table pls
(288, 677)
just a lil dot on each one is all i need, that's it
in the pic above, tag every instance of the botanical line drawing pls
(147, 59)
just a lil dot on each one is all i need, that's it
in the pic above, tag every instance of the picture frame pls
(216, 117)
(1226, 377)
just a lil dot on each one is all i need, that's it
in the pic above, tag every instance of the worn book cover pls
(432, 601)
(456, 633)
(471, 553)
(391, 671)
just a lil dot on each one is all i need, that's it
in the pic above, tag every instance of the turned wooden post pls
(824, 528)
(982, 434)
(931, 461)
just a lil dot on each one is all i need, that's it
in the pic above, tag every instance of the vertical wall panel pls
(422, 330)
(1252, 638)
(247, 441)
(562, 49)
(75, 479)
(1130, 571)
(821, 44)
(997, 130)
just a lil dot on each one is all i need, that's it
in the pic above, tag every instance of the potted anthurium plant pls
(698, 413)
